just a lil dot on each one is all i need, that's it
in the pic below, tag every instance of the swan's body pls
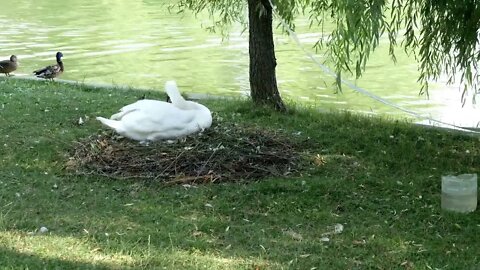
(152, 120)
(10, 65)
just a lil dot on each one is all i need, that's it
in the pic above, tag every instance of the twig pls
(209, 158)
(241, 159)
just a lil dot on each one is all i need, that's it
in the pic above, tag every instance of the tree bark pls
(263, 81)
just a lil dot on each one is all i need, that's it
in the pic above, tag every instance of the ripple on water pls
(155, 45)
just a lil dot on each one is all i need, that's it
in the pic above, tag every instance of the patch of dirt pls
(224, 152)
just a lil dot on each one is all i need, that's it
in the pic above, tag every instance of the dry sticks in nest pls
(225, 152)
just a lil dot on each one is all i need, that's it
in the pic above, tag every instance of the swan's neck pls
(174, 95)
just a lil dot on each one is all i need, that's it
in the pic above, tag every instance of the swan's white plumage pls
(151, 120)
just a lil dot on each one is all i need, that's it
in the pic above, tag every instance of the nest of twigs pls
(224, 152)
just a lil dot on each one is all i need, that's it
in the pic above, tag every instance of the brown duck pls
(7, 66)
(52, 71)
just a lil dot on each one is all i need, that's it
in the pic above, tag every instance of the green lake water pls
(140, 44)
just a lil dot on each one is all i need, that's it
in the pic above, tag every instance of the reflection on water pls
(139, 43)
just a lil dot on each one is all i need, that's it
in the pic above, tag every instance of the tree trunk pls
(263, 82)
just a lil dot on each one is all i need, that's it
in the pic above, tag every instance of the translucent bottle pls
(459, 193)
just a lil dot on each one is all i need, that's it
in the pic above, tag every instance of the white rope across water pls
(328, 71)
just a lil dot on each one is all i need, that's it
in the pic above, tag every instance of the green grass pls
(379, 178)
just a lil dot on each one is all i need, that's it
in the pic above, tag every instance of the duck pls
(53, 71)
(7, 66)
(149, 120)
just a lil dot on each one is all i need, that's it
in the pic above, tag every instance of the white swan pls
(152, 120)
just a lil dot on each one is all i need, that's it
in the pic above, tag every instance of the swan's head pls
(204, 115)
(13, 58)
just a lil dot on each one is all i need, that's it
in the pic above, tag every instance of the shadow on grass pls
(380, 180)
(12, 259)
(272, 224)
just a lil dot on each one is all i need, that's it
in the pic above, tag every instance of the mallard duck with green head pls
(7, 66)
(52, 71)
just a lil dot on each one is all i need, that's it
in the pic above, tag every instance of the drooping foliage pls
(442, 35)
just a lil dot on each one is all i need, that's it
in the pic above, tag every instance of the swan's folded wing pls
(122, 113)
(172, 120)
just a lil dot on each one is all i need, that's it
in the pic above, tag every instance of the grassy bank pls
(380, 179)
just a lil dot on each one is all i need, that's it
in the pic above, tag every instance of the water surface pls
(141, 44)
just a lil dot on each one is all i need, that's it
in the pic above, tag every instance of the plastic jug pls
(459, 193)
